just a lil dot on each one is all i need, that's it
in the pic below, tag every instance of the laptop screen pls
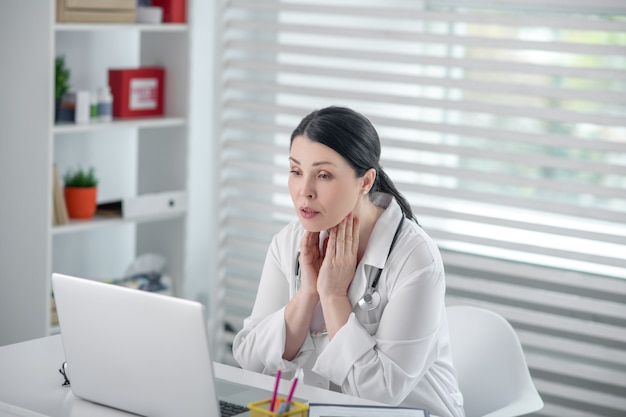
(133, 350)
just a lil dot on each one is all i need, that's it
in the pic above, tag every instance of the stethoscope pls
(371, 297)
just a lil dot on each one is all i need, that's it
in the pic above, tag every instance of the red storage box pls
(137, 92)
(173, 10)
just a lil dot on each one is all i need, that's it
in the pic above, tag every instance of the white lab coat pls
(398, 354)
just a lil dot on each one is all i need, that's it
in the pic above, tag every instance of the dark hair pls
(352, 136)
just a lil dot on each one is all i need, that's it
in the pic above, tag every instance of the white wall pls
(201, 233)
(24, 166)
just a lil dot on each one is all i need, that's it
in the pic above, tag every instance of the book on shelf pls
(90, 11)
(59, 209)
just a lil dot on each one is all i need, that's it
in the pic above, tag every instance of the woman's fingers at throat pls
(340, 258)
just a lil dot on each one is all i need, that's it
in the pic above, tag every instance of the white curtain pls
(502, 121)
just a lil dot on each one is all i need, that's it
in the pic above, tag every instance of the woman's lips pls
(308, 213)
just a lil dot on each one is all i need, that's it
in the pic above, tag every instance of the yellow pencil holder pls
(262, 409)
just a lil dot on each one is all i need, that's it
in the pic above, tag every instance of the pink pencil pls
(273, 402)
(291, 391)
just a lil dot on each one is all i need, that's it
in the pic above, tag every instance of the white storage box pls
(149, 14)
(146, 205)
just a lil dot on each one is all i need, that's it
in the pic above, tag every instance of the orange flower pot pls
(80, 201)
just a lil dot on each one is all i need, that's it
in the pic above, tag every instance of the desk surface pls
(30, 384)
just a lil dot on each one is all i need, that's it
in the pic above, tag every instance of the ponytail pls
(385, 185)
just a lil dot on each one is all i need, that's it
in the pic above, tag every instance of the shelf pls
(154, 122)
(98, 222)
(139, 27)
(133, 156)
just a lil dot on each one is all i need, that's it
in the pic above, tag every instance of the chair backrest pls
(491, 367)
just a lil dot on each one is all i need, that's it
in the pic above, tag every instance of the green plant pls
(61, 77)
(80, 178)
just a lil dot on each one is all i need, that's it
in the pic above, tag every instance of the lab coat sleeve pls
(388, 365)
(260, 344)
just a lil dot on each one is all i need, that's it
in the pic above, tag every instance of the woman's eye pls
(324, 176)
(294, 172)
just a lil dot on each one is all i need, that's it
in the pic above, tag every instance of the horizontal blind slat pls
(551, 323)
(528, 248)
(420, 14)
(535, 183)
(256, 47)
(538, 274)
(574, 349)
(612, 380)
(348, 73)
(548, 206)
(576, 395)
(327, 31)
(511, 157)
(465, 106)
(570, 6)
(541, 298)
(615, 237)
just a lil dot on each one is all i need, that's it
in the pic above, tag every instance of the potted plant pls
(80, 193)
(61, 83)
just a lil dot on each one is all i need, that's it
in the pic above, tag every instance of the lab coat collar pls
(375, 255)
(380, 240)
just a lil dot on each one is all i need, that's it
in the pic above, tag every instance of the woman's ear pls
(368, 180)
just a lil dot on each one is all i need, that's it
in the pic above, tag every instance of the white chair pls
(492, 371)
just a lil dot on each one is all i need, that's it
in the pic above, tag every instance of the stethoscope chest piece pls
(370, 300)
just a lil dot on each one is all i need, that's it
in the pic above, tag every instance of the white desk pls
(31, 385)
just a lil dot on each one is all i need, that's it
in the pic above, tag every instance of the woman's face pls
(323, 186)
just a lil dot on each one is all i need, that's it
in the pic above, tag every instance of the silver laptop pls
(140, 352)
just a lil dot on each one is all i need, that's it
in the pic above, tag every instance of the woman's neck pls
(368, 214)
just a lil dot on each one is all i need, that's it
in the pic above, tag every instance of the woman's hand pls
(310, 262)
(337, 272)
(299, 310)
(325, 275)
(339, 262)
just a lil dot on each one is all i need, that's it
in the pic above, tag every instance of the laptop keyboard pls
(229, 409)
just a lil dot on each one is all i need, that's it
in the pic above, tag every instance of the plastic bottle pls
(105, 104)
(93, 107)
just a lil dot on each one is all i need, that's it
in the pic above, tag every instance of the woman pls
(352, 292)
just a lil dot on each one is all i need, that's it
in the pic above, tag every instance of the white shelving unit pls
(132, 157)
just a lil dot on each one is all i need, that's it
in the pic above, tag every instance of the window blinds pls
(503, 122)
